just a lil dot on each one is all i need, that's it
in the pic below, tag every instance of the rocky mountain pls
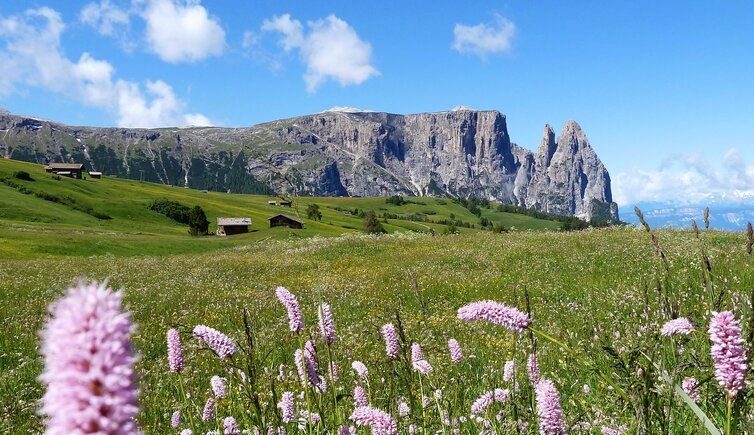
(343, 152)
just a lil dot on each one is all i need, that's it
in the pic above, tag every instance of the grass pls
(581, 286)
(27, 220)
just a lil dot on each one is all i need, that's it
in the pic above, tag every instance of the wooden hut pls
(285, 203)
(94, 174)
(73, 170)
(283, 220)
(230, 226)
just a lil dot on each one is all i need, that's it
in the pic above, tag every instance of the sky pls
(663, 90)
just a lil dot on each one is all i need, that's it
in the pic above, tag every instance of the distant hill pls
(727, 217)
(341, 152)
(52, 215)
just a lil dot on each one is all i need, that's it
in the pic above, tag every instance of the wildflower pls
(218, 386)
(403, 409)
(187, 432)
(416, 353)
(326, 324)
(88, 363)
(360, 369)
(455, 351)
(728, 352)
(679, 326)
(423, 367)
(310, 352)
(690, 387)
(215, 340)
(306, 369)
(295, 318)
(360, 396)
(586, 389)
(391, 340)
(379, 421)
(345, 430)
(508, 371)
(481, 404)
(548, 409)
(175, 351)
(175, 420)
(209, 410)
(497, 313)
(532, 368)
(333, 372)
(287, 407)
(230, 427)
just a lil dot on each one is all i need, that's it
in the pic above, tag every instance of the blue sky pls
(663, 90)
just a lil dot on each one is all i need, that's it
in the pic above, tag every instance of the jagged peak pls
(346, 109)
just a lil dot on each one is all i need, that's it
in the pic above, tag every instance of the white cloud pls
(106, 17)
(331, 49)
(484, 39)
(182, 31)
(33, 56)
(688, 179)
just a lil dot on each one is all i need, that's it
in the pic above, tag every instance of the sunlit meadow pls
(597, 299)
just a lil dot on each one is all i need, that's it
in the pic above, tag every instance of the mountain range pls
(340, 152)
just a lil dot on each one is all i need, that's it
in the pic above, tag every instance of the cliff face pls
(460, 153)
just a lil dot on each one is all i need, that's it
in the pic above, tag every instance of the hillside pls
(31, 226)
(460, 153)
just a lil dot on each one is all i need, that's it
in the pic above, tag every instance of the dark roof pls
(285, 216)
(66, 166)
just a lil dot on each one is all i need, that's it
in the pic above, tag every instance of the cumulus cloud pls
(33, 56)
(182, 31)
(107, 18)
(688, 179)
(485, 39)
(330, 49)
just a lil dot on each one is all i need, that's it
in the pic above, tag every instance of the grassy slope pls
(30, 226)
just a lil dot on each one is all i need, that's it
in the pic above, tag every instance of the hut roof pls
(233, 221)
(285, 216)
(64, 166)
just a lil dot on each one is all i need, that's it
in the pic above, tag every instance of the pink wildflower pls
(230, 426)
(175, 351)
(548, 409)
(691, 387)
(218, 386)
(306, 368)
(215, 340)
(391, 340)
(187, 432)
(360, 369)
(403, 409)
(209, 410)
(728, 352)
(423, 367)
(326, 324)
(89, 363)
(287, 407)
(455, 351)
(379, 421)
(497, 313)
(175, 420)
(295, 318)
(508, 371)
(416, 352)
(532, 368)
(360, 396)
(679, 326)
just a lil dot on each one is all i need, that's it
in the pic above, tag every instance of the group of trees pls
(194, 217)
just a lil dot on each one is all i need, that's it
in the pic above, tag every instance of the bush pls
(312, 212)
(395, 200)
(197, 221)
(23, 175)
(450, 229)
(371, 224)
(172, 209)
(500, 229)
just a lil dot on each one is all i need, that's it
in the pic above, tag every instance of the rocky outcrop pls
(462, 153)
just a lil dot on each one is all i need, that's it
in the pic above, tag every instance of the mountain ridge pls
(460, 153)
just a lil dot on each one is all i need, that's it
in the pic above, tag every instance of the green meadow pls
(604, 293)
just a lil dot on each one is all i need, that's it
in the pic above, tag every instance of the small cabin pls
(93, 174)
(272, 202)
(283, 220)
(72, 170)
(230, 226)
(285, 203)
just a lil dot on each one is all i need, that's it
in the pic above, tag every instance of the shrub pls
(395, 200)
(312, 212)
(23, 175)
(197, 221)
(371, 224)
(172, 209)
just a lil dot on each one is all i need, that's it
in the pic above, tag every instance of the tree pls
(371, 224)
(197, 221)
(312, 212)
